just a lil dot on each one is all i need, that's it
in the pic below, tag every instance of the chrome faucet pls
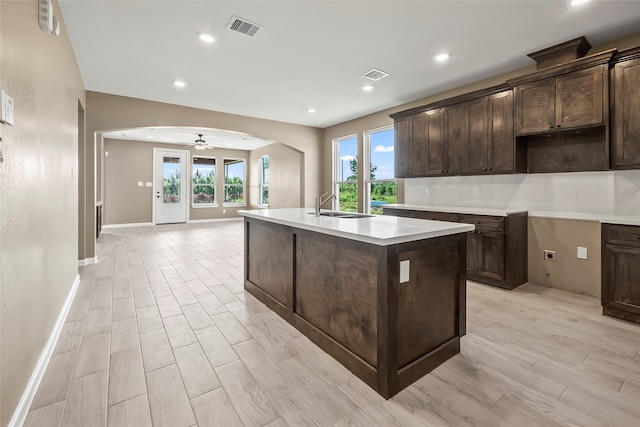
(320, 201)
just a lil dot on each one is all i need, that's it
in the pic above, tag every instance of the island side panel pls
(269, 260)
(336, 288)
(430, 312)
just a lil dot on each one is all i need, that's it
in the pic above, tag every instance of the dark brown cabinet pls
(436, 142)
(474, 136)
(457, 138)
(621, 271)
(568, 101)
(491, 146)
(625, 108)
(485, 247)
(403, 146)
(496, 250)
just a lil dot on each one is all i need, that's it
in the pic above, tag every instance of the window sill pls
(204, 205)
(263, 206)
(234, 205)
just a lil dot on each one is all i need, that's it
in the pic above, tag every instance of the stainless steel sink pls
(342, 214)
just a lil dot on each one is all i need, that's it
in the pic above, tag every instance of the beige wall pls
(39, 191)
(285, 177)
(129, 162)
(564, 237)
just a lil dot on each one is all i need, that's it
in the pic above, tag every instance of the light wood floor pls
(161, 333)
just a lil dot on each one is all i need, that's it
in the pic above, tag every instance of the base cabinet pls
(348, 297)
(621, 272)
(496, 250)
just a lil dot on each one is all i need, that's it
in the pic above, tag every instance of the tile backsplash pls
(601, 193)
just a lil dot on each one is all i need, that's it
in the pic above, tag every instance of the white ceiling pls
(313, 53)
(216, 138)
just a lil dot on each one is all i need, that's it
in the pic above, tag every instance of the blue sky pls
(381, 154)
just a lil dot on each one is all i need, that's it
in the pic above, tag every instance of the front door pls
(170, 186)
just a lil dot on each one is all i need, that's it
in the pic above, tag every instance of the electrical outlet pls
(550, 255)
(477, 190)
(404, 271)
(582, 252)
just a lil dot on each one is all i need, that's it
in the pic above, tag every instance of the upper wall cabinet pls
(471, 134)
(625, 109)
(571, 100)
(491, 147)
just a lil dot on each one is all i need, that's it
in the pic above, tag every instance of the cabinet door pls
(620, 281)
(501, 138)
(436, 141)
(419, 145)
(477, 152)
(472, 253)
(626, 114)
(457, 137)
(491, 255)
(535, 106)
(402, 147)
(579, 96)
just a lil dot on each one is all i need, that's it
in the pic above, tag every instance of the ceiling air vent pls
(243, 26)
(375, 75)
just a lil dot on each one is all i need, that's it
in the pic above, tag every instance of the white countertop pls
(459, 209)
(380, 230)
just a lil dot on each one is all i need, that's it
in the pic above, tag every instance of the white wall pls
(607, 193)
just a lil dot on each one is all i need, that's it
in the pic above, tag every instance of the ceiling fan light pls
(200, 147)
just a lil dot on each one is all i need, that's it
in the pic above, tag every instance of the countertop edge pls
(379, 241)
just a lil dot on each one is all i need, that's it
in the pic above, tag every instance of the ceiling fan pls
(201, 144)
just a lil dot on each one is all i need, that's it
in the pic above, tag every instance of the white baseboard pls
(20, 414)
(134, 224)
(191, 221)
(87, 261)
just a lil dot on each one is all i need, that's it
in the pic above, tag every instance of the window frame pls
(225, 185)
(261, 184)
(367, 167)
(336, 170)
(214, 185)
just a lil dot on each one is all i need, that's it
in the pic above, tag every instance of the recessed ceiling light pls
(207, 38)
(367, 88)
(149, 136)
(578, 2)
(311, 110)
(441, 57)
(179, 83)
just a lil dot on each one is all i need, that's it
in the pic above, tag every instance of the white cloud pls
(347, 157)
(383, 149)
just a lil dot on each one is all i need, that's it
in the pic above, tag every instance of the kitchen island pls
(383, 295)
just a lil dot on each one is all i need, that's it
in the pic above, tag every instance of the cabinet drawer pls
(625, 235)
(484, 223)
(437, 216)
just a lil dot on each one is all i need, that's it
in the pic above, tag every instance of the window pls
(263, 180)
(380, 181)
(345, 173)
(234, 182)
(203, 180)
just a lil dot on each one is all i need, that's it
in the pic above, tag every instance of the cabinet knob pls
(551, 127)
(558, 126)
(490, 169)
